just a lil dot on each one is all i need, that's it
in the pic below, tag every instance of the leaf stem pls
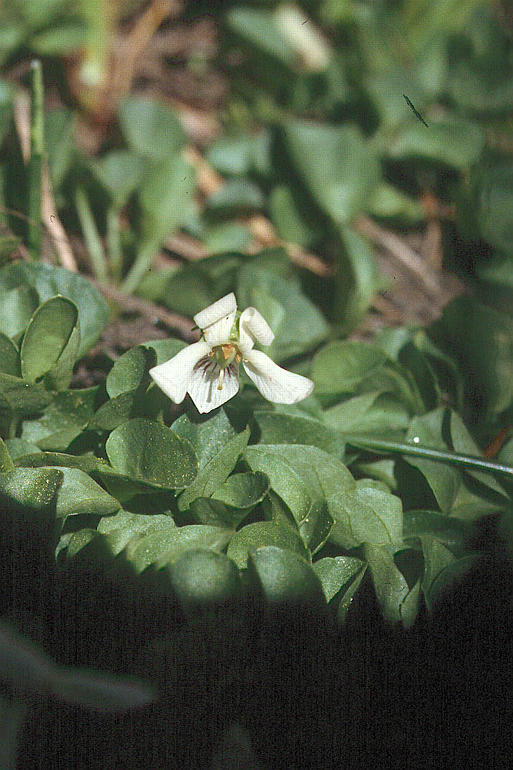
(35, 164)
(437, 455)
(91, 235)
(141, 265)
(114, 242)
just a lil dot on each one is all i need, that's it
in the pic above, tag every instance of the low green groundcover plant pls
(114, 494)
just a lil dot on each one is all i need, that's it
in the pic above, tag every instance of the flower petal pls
(174, 375)
(219, 332)
(216, 311)
(273, 382)
(253, 328)
(204, 381)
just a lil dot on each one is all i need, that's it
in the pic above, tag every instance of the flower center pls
(224, 356)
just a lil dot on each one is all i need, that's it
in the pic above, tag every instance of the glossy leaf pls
(285, 579)
(148, 451)
(79, 495)
(243, 490)
(366, 515)
(49, 281)
(215, 471)
(30, 491)
(336, 572)
(207, 436)
(260, 534)
(340, 366)
(276, 428)
(389, 584)
(9, 357)
(162, 547)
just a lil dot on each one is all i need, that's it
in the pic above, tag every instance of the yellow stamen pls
(228, 351)
(221, 378)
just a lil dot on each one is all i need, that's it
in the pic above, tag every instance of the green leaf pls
(264, 533)
(302, 326)
(207, 436)
(284, 479)
(276, 428)
(79, 495)
(165, 349)
(285, 579)
(120, 172)
(203, 579)
(9, 357)
(305, 478)
(349, 594)
(443, 479)
(236, 196)
(338, 167)
(164, 546)
(215, 471)
(148, 451)
(129, 370)
(124, 527)
(450, 531)
(389, 583)
(243, 490)
(116, 411)
(366, 515)
(18, 447)
(231, 155)
(457, 143)
(340, 366)
(16, 307)
(336, 572)
(356, 280)
(481, 339)
(22, 397)
(437, 558)
(373, 412)
(48, 281)
(6, 463)
(29, 491)
(62, 421)
(165, 196)
(463, 442)
(151, 128)
(410, 606)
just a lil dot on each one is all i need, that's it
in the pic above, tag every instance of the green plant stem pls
(91, 235)
(35, 164)
(141, 265)
(114, 243)
(437, 455)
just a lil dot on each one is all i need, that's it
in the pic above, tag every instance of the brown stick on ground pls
(401, 252)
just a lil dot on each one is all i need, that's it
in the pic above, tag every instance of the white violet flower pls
(208, 370)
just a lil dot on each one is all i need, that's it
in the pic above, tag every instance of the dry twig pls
(401, 252)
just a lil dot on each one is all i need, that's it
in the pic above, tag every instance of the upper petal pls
(174, 375)
(273, 382)
(253, 328)
(219, 332)
(204, 381)
(216, 311)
